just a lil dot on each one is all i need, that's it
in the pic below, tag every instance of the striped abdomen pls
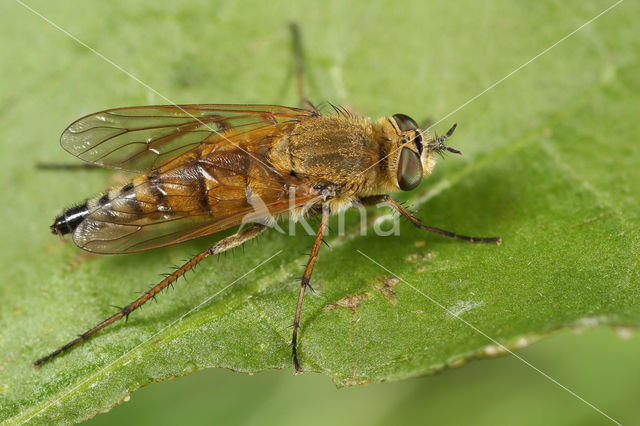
(72, 217)
(196, 185)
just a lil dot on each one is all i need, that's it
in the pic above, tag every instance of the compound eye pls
(409, 170)
(405, 123)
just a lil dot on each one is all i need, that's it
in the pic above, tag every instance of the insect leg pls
(367, 201)
(65, 166)
(219, 247)
(299, 59)
(305, 282)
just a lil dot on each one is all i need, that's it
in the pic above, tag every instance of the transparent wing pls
(140, 139)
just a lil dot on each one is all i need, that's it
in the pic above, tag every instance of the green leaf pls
(550, 164)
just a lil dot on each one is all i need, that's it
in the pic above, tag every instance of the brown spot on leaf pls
(413, 258)
(420, 257)
(385, 286)
(351, 381)
(349, 302)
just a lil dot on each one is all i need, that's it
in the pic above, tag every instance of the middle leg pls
(305, 283)
(298, 59)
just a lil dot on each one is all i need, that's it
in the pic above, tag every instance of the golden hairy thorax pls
(351, 152)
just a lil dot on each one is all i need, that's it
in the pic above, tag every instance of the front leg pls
(377, 199)
(305, 283)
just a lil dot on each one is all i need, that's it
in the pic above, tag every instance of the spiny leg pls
(219, 247)
(367, 201)
(298, 59)
(304, 283)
